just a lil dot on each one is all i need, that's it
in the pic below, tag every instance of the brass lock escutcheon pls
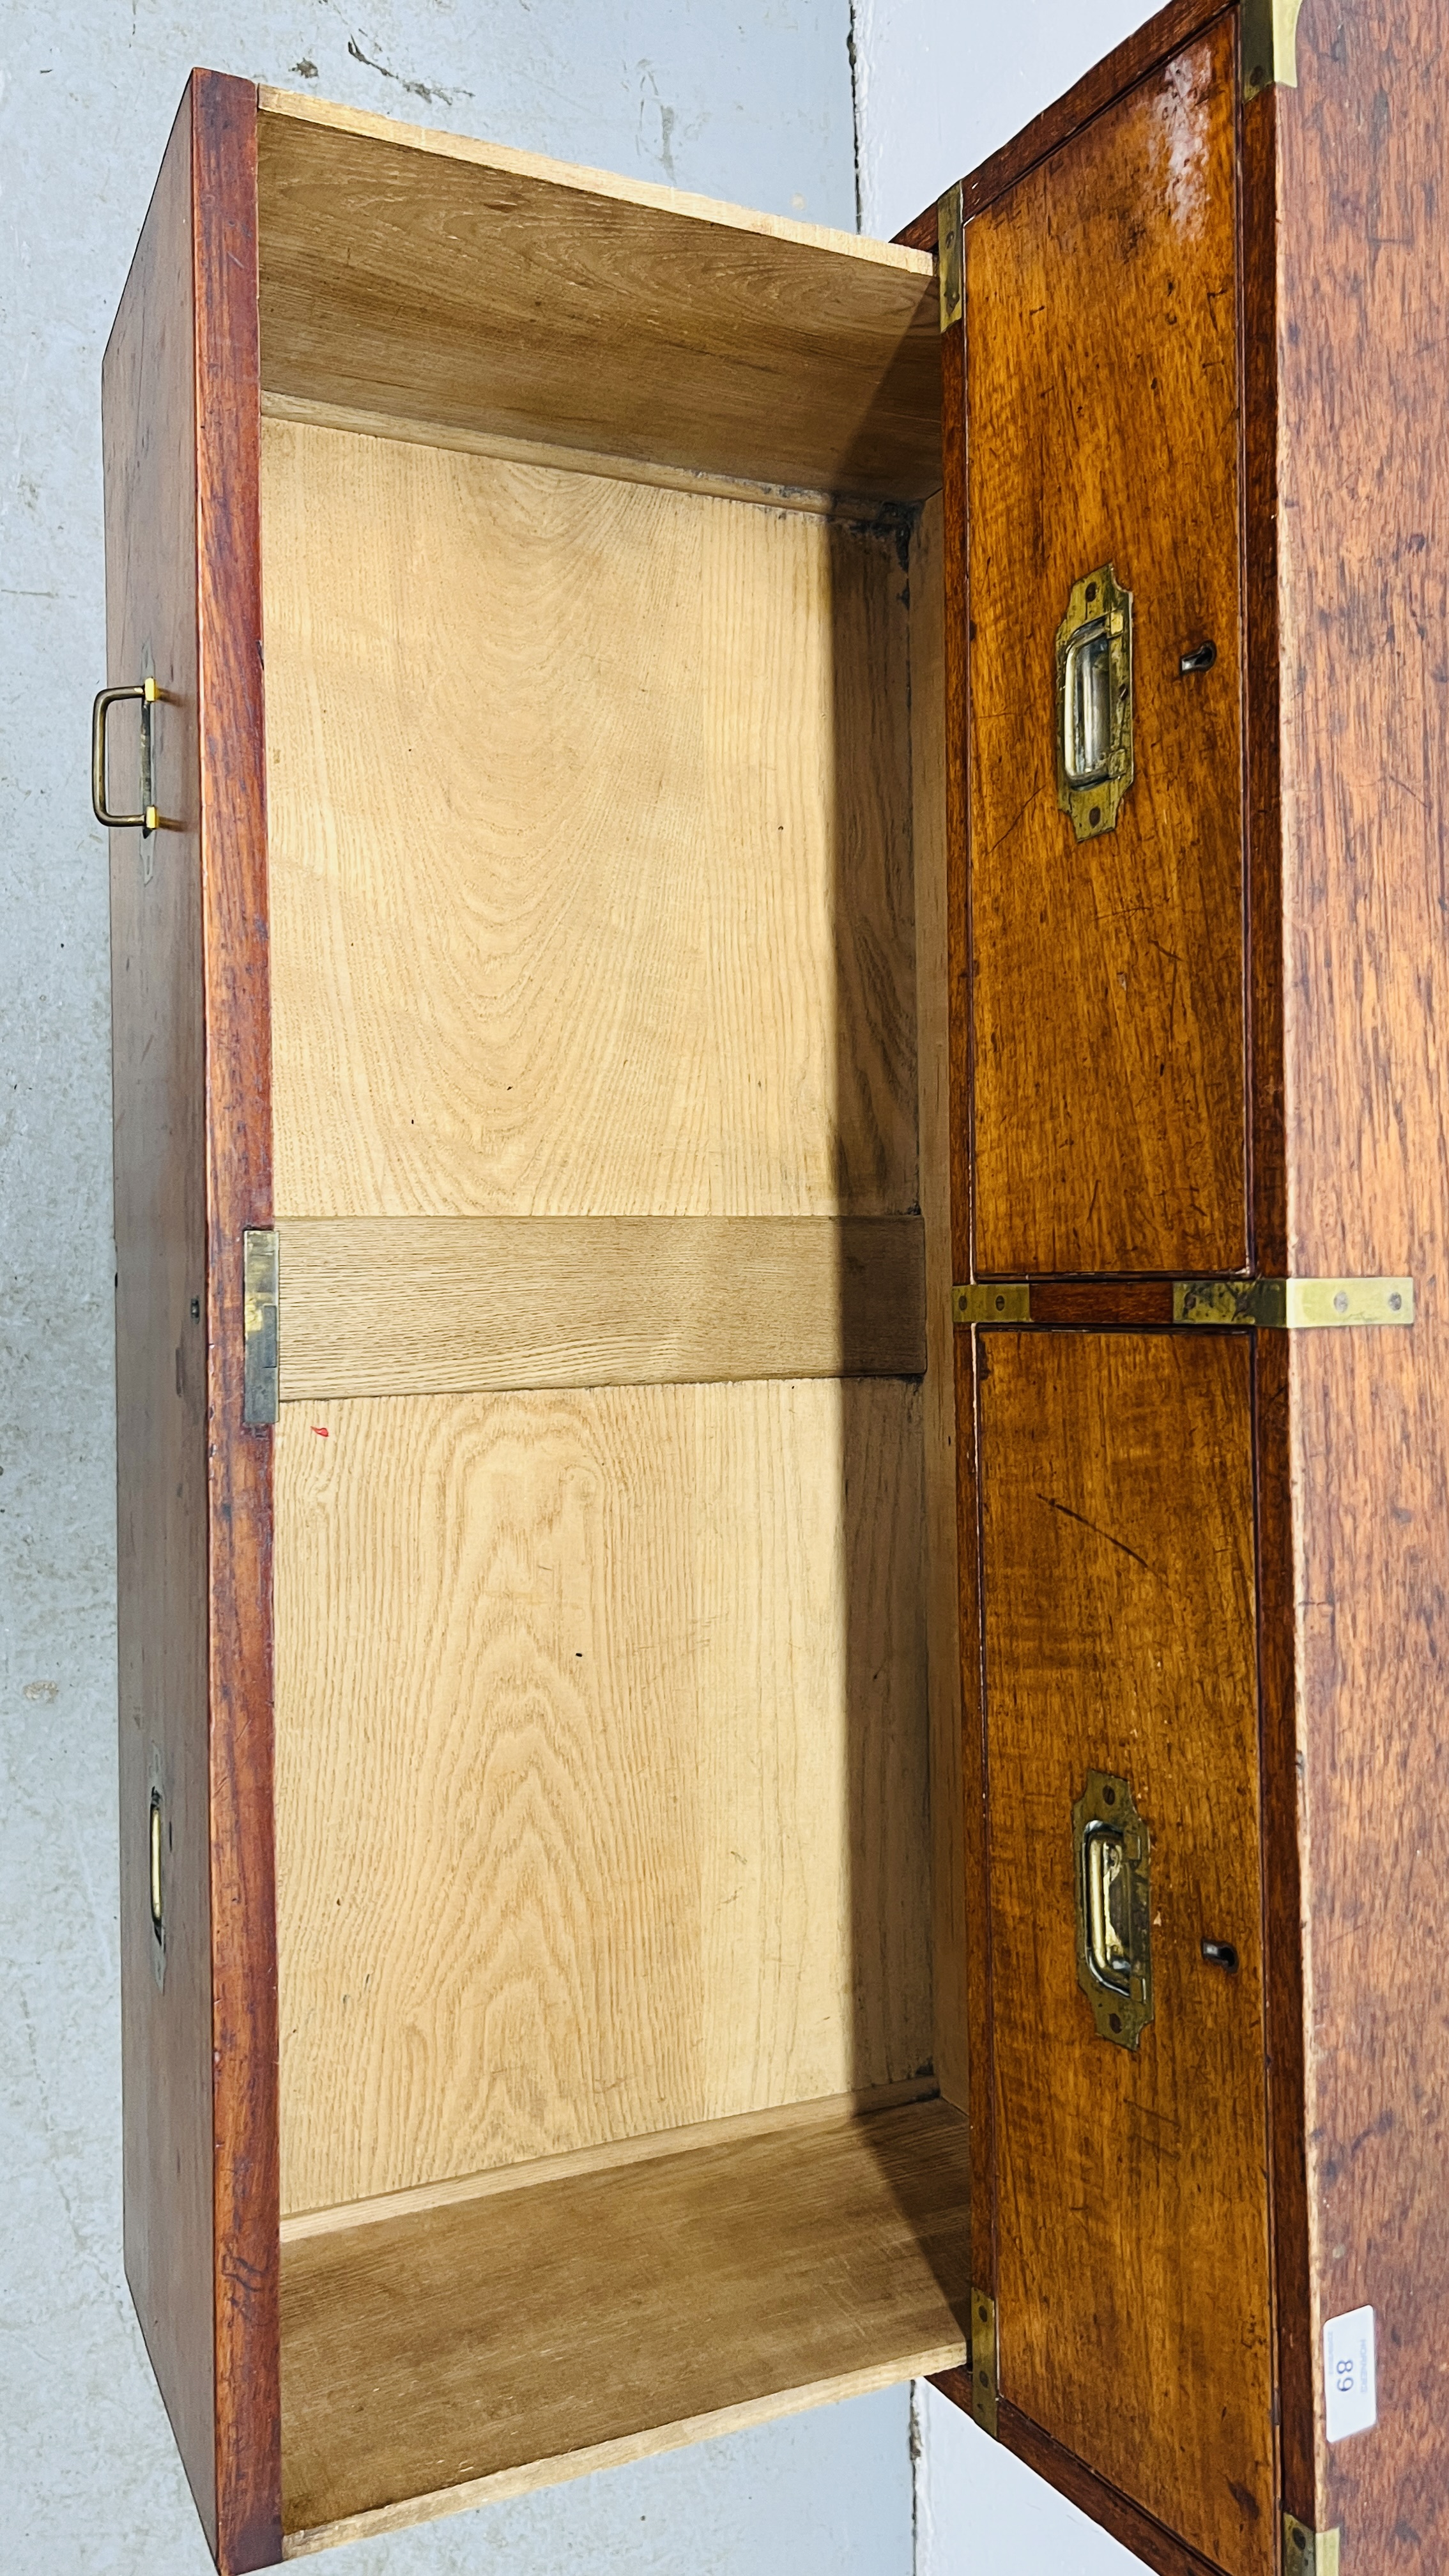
(1094, 703)
(1112, 1855)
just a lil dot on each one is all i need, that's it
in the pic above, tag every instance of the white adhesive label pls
(1348, 2373)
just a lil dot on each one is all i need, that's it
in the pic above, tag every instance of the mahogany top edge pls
(1107, 81)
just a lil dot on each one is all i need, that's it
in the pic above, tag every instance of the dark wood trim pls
(922, 232)
(1130, 1302)
(1283, 1988)
(981, 2101)
(1097, 89)
(239, 1194)
(1127, 2522)
(957, 578)
(981, 2078)
(1259, 364)
(1283, 1993)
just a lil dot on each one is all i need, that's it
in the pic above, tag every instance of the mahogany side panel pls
(1363, 600)
(192, 1148)
(239, 1195)
(158, 1087)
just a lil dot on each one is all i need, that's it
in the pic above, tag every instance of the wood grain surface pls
(424, 1305)
(233, 831)
(564, 460)
(602, 1768)
(1132, 2259)
(1101, 318)
(192, 1169)
(426, 2353)
(405, 271)
(1363, 601)
(608, 2158)
(933, 1058)
(598, 903)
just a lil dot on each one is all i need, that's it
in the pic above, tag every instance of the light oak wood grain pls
(533, 2330)
(928, 849)
(590, 854)
(404, 271)
(602, 1768)
(650, 2444)
(424, 1305)
(350, 2214)
(566, 460)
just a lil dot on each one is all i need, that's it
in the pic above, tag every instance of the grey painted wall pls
(751, 103)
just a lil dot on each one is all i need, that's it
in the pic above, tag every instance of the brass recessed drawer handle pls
(1114, 1908)
(1094, 703)
(147, 820)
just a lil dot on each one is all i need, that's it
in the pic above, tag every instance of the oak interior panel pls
(461, 282)
(590, 845)
(544, 2325)
(604, 1734)
(1117, 1539)
(423, 1305)
(1101, 318)
(601, 1762)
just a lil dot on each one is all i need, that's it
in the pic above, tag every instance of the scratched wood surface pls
(1117, 1549)
(426, 2353)
(599, 902)
(1109, 1114)
(488, 289)
(1363, 289)
(602, 1753)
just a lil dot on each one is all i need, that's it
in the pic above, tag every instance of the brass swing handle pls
(148, 820)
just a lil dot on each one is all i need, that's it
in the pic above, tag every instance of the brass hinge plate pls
(259, 1325)
(999, 1302)
(1293, 1305)
(1308, 2553)
(949, 257)
(983, 2361)
(1270, 45)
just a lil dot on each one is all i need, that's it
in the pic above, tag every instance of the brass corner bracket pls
(950, 260)
(998, 1302)
(983, 2361)
(1270, 45)
(1293, 1305)
(1309, 2553)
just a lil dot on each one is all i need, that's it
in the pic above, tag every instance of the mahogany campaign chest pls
(780, 1180)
